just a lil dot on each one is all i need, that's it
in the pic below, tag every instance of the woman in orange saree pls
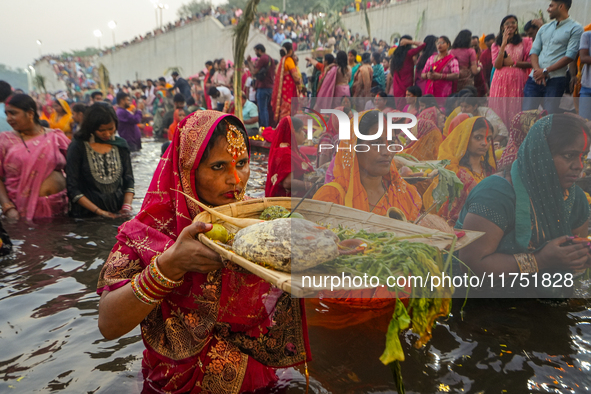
(469, 148)
(429, 137)
(370, 182)
(287, 84)
(208, 326)
(61, 118)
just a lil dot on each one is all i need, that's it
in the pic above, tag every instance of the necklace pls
(23, 140)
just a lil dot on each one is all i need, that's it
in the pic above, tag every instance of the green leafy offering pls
(449, 186)
(274, 212)
(400, 321)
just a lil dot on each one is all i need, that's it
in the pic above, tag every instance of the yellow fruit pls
(218, 233)
(428, 171)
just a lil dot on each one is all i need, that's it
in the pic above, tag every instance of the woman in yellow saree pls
(469, 148)
(61, 118)
(369, 181)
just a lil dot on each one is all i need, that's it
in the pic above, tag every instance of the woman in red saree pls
(286, 85)
(287, 164)
(441, 70)
(32, 163)
(218, 328)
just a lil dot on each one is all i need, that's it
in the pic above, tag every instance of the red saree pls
(284, 89)
(221, 332)
(285, 157)
(440, 87)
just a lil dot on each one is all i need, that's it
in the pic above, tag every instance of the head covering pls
(347, 176)
(454, 148)
(540, 202)
(430, 113)
(65, 106)
(518, 130)
(285, 157)
(212, 321)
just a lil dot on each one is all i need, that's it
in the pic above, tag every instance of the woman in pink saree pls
(441, 70)
(208, 325)
(32, 161)
(334, 84)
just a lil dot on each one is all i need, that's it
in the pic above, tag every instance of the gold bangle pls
(139, 293)
(527, 262)
(158, 277)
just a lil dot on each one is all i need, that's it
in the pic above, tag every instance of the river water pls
(49, 340)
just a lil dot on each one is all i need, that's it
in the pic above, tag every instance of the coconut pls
(289, 245)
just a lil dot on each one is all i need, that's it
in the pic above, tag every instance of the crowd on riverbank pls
(509, 112)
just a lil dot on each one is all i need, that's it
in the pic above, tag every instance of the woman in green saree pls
(531, 213)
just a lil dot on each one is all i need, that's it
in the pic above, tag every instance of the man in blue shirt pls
(555, 47)
(5, 91)
(250, 116)
(279, 36)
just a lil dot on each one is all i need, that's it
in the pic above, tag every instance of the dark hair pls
(476, 38)
(354, 52)
(162, 79)
(178, 98)
(79, 107)
(260, 47)
(25, 103)
(329, 58)
(465, 161)
(342, 62)
(470, 100)
(285, 49)
(366, 58)
(516, 39)
(121, 96)
(95, 93)
(368, 121)
(462, 40)
(426, 53)
(377, 57)
(213, 91)
(399, 56)
(96, 115)
(297, 123)
(190, 101)
(415, 91)
(529, 25)
(5, 91)
(565, 129)
(567, 3)
(175, 74)
(446, 39)
(164, 147)
(209, 63)
(428, 100)
(489, 37)
(221, 130)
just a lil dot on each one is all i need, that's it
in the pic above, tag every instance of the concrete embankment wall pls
(448, 17)
(190, 46)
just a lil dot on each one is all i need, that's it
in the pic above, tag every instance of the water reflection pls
(49, 341)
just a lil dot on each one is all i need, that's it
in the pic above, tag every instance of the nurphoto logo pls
(345, 129)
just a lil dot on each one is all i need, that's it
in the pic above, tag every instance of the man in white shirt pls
(219, 95)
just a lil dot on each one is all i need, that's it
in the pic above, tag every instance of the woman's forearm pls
(3, 194)
(86, 203)
(496, 263)
(128, 198)
(120, 311)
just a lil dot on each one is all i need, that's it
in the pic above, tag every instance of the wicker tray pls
(326, 214)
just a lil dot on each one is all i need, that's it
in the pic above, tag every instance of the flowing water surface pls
(49, 340)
